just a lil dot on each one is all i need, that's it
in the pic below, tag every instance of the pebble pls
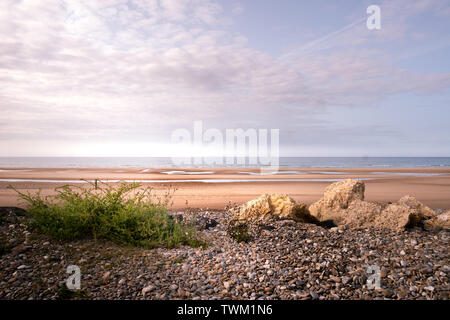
(335, 279)
(345, 279)
(173, 287)
(287, 261)
(147, 289)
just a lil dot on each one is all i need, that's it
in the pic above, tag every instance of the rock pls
(181, 293)
(173, 287)
(441, 221)
(290, 261)
(414, 204)
(345, 279)
(335, 279)
(343, 203)
(147, 289)
(272, 207)
(361, 214)
(408, 212)
(106, 276)
(21, 248)
(340, 194)
(398, 217)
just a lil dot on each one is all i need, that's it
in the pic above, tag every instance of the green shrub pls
(126, 214)
(239, 231)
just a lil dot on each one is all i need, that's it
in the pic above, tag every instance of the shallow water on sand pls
(167, 162)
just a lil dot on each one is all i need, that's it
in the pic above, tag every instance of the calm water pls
(166, 162)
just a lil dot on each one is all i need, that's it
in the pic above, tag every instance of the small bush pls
(125, 214)
(239, 231)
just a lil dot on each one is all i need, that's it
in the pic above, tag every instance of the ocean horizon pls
(168, 162)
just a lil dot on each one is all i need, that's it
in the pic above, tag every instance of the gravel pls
(284, 260)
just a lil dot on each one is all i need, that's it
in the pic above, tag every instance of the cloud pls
(237, 9)
(116, 69)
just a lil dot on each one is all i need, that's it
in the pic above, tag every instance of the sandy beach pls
(215, 188)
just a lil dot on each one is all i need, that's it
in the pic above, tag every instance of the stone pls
(439, 222)
(409, 262)
(314, 295)
(147, 289)
(340, 194)
(361, 214)
(335, 279)
(345, 279)
(173, 287)
(408, 212)
(21, 248)
(398, 217)
(106, 276)
(343, 203)
(272, 207)
(413, 203)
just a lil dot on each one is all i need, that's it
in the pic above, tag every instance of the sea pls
(168, 162)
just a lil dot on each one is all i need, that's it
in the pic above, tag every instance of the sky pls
(118, 77)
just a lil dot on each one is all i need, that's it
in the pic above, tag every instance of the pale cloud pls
(112, 70)
(237, 9)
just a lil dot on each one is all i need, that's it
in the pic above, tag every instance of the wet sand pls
(215, 188)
